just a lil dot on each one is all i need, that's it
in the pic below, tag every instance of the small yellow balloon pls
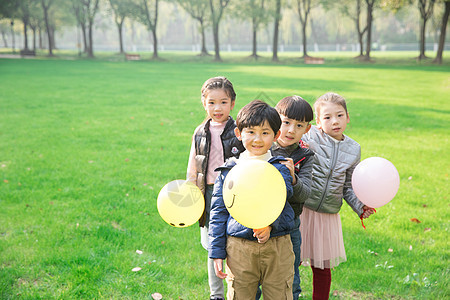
(254, 192)
(180, 203)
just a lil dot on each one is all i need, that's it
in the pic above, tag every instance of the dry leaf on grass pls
(137, 269)
(415, 220)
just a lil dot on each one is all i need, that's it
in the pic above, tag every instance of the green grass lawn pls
(86, 145)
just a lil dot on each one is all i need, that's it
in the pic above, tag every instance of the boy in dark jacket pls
(254, 255)
(296, 115)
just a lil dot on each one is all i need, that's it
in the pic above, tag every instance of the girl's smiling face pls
(332, 119)
(218, 105)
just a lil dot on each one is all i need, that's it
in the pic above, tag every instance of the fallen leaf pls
(424, 205)
(162, 243)
(137, 269)
(427, 229)
(415, 220)
(335, 293)
(139, 252)
(390, 250)
(156, 296)
(5, 181)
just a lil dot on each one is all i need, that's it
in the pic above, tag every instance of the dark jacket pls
(221, 223)
(303, 162)
(232, 147)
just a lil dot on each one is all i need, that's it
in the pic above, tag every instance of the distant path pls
(16, 56)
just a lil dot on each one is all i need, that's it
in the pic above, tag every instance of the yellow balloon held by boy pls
(254, 192)
(180, 203)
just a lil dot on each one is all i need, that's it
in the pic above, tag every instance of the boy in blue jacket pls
(262, 255)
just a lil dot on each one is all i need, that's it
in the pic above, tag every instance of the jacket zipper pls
(333, 164)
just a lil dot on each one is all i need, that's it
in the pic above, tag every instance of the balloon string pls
(361, 217)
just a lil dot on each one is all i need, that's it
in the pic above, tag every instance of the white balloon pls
(375, 181)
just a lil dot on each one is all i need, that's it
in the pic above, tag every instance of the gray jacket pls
(333, 167)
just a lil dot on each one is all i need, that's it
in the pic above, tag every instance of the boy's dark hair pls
(218, 83)
(295, 107)
(256, 113)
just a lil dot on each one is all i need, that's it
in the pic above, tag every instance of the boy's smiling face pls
(257, 140)
(291, 131)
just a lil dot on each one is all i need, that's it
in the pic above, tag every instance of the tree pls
(46, 5)
(9, 9)
(90, 10)
(80, 16)
(426, 11)
(147, 14)
(198, 9)
(24, 11)
(217, 7)
(276, 25)
(353, 10)
(303, 10)
(444, 23)
(36, 20)
(258, 13)
(121, 10)
(369, 20)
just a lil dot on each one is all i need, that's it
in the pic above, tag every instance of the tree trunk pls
(119, 28)
(12, 36)
(369, 28)
(358, 29)
(216, 42)
(85, 41)
(155, 44)
(40, 38)
(438, 58)
(34, 38)
(25, 34)
(91, 48)
(47, 26)
(254, 39)
(202, 29)
(305, 52)
(275, 31)
(422, 39)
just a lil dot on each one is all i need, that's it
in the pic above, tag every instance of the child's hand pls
(218, 266)
(262, 234)
(367, 211)
(289, 163)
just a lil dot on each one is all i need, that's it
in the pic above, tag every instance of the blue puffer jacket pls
(222, 223)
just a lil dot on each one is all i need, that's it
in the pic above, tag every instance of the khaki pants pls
(250, 263)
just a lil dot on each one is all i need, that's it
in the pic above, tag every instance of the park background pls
(86, 143)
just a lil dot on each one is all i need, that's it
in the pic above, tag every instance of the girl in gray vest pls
(336, 156)
(213, 142)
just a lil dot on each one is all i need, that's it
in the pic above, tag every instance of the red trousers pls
(321, 283)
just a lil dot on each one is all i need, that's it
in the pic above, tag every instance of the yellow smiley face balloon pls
(180, 203)
(254, 193)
